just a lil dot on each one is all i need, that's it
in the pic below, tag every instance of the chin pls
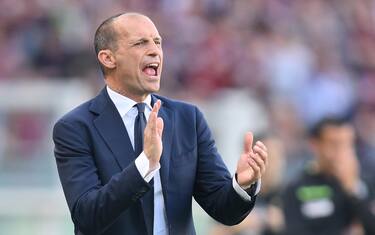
(156, 89)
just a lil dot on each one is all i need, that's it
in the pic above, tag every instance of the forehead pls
(135, 26)
(342, 131)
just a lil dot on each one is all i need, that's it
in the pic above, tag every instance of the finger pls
(254, 166)
(248, 143)
(154, 123)
(261, 145)
(151, 118)
(150, 123)
(263, 154)
(160, 126)
(156, 107)
(260, 163)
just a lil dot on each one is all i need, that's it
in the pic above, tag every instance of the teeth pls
(155, 65)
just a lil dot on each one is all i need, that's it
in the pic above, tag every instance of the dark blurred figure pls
(329, 197)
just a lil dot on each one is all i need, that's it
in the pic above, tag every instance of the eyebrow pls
(159, 39)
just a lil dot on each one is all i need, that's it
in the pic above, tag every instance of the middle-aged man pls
(130, 161)
(329, 197)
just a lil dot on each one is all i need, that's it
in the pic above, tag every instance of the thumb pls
(248, 143)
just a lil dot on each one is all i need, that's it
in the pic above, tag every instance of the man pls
(117, 181)
(329, 197)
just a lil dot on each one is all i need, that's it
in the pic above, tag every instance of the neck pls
(124, 92)
(318, 168)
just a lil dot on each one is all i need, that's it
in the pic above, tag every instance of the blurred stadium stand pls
(284, 63)
(31, 199)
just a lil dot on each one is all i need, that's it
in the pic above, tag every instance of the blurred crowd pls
(300, 60)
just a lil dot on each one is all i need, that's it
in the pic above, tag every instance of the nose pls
(152, 53)
(154, 50)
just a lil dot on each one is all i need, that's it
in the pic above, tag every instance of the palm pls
(153, 145)
(245, 173)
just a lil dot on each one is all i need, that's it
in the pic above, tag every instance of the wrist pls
(249, 189)
(358, 190)
(152, 165)
(244, 185)
(350, 186)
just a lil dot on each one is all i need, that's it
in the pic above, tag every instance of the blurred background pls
(274, 67)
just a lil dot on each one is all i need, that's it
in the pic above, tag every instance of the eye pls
(139, 43)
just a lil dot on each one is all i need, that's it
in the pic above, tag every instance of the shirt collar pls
(123, 103)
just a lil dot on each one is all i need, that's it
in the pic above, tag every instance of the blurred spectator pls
(364, 121)
(329, 196)
(288, 126)
(329, 92)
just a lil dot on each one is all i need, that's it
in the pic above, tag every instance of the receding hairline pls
(132, 14)
(118, 20)
(129, 15)
(110, 26)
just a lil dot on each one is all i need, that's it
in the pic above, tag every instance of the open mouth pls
(151, 69)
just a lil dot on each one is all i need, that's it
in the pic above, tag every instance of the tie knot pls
(140, 107)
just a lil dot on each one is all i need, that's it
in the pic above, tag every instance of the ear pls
(107, 59)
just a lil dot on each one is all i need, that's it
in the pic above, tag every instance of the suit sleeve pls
(93, 205)
(213, 185)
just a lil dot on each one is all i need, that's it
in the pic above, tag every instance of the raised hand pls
(152, 144)
(252, 163)
(347, 171)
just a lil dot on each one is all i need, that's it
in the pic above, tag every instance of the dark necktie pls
(148, 198)
(139, 127)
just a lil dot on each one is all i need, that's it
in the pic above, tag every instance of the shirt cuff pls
(143, 165)
(244, 195)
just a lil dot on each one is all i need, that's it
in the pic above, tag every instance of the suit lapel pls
(112, 129)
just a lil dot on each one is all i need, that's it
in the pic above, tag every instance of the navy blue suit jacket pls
(104, 189)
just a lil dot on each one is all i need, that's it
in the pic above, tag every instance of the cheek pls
(331, 152)
(328, 152)
(135, 67)
(126, 67)
(131, 63)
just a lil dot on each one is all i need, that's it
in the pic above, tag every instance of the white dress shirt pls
(128, 113)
